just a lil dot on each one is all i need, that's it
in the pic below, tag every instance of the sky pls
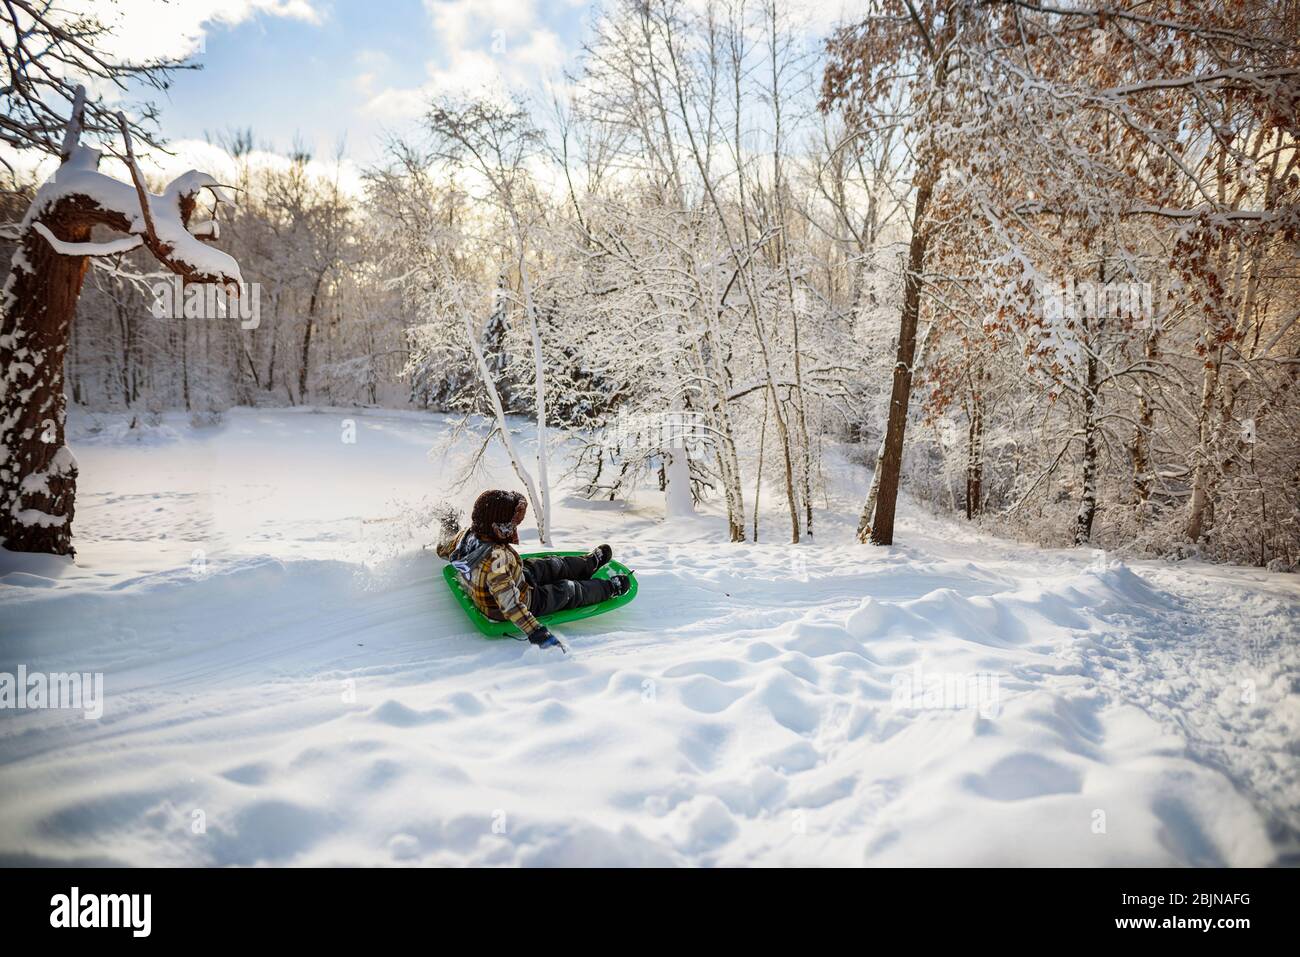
(331, 72)
(336, 76)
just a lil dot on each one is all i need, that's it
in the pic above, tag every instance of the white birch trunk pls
(539, 508)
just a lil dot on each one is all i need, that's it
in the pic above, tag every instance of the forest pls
(1037, 265)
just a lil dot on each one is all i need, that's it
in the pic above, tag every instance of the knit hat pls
(493, 518)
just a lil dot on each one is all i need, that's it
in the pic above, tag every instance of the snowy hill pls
(287, 681)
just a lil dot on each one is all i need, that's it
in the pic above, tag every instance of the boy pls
(505, 587)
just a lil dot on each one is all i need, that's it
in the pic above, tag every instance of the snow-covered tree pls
(493, 144)
(1090, 143)
(37, 471)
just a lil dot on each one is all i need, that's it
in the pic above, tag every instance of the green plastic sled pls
(501, 629)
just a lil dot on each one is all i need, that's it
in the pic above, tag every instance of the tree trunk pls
(1201, 475)
(805, 462)
(124, 372)
(713, 372)
(38, 474)
(306, 339)
(782, 431)
(1088, 503)
(868, 517)
(758, 480)
(891, 462)
(499, 414)
(1092, 344)
(1141, 447)
(75, 365)
(275, 325)
(184, 334)
(975, 456)
(873, 494)
(539, 393)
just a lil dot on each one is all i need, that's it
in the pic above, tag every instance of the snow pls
(80, 176)
(34, 516)
(108, 248)
(286, 681)
(677, 487)
(62, 462)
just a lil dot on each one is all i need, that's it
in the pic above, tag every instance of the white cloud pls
(543, 50)
(185, 155)
(211, 158)
(208, 157)
(487, 47)
(397, 103)
(491, 46)
(458, 23)
(144, 29)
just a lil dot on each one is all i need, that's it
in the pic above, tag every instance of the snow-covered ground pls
(286, 681)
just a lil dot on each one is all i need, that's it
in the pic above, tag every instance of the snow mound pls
(133, 431)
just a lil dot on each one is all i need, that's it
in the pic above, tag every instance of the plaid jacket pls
(495, 583)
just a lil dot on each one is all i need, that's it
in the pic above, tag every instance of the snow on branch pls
(72, 135)
(110, 248)
(78, 186)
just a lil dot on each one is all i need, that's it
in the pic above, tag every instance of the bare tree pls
(46, 53)
(494, 143)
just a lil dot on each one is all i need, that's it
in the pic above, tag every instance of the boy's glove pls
(542, 638)
(448, 518)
